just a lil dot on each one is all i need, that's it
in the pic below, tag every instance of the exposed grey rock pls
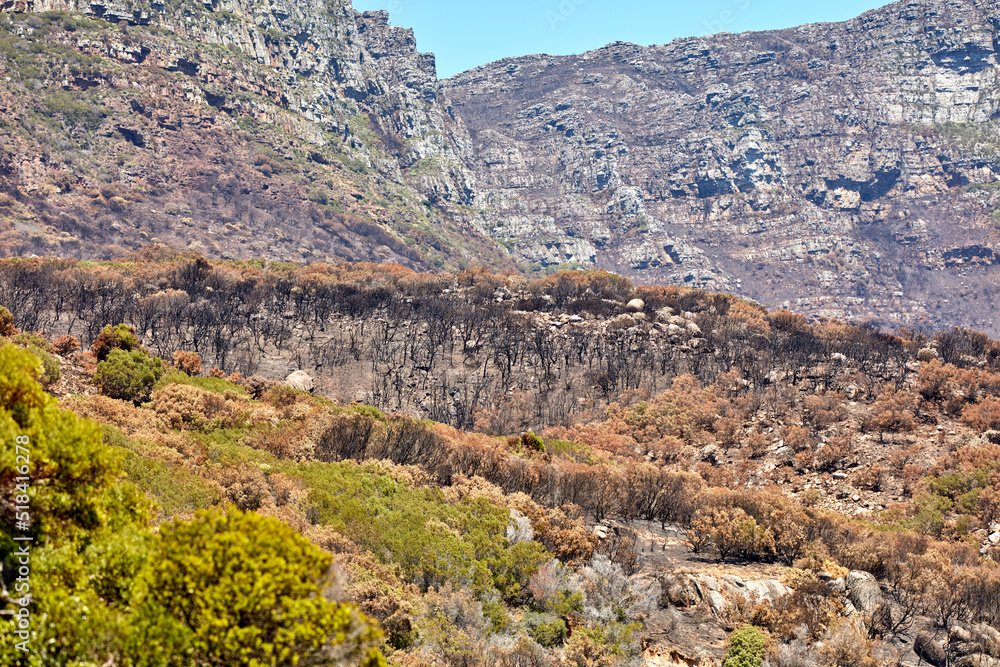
(863, 591)
(988, 637)
(716, 601)
(636, 305)
(769, 590)
(929, 650)
(959, 634)
(299, 380)
(679, 590)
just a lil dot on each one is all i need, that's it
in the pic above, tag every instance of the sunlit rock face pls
(844, 168)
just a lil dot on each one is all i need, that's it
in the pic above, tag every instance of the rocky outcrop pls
(686, 590)
(842, 169)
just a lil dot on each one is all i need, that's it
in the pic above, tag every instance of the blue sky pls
(466, 33)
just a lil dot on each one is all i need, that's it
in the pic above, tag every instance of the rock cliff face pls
(849, 169)
(293, 130)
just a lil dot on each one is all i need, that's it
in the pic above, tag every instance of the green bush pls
(747, 647)
(88, 529)
(69, 464)
(234, 588)
(208, 383)
(434, 542)
(27, 340)
(548, 630)
(129, 376)
(121, 337)
(50, 367)
(175, 489)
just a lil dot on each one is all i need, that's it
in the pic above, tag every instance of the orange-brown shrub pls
(256, 385)
(187, 407)
(242, 484)
(132, 421)
(893, 412)
(797, 438)
(65, 345)
(789, 322)
(870, 477)
(7, 327)
(187, 362)
(824, 410)
(755, 445)
(982, 416)
(837, 453)
(287, 441)
(380, 592)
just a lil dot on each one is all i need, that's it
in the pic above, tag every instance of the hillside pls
(637, 473)
(304, 131)
(845, 169)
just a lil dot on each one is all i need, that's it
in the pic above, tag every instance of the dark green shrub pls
(121, 337)
(128, 375)
(747, 647)
(532, 442)
(550, 634)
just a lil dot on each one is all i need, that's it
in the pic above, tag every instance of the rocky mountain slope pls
(848, 168)
(301, 131)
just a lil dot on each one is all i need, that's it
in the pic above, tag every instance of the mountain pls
(844, 170)
(295, 131)
(847, 169)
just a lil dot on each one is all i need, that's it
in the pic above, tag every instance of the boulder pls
(635, 305)
(299, 380)
(988, 638)
(929, 650)
(678, 590)
(959, 634)
(769, 590)
(863, 591)
(716, 601)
